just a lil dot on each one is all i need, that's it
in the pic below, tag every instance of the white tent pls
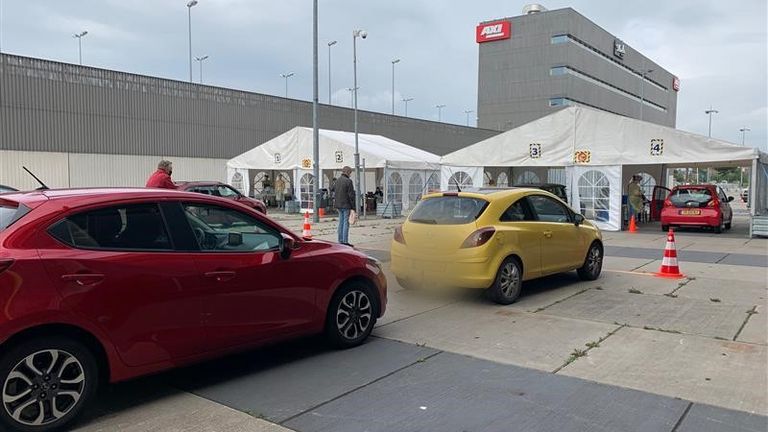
(592, 152)
(388, 163)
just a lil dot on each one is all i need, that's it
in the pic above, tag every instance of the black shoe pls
(348, 244)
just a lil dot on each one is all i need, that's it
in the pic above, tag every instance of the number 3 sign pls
(535, 150)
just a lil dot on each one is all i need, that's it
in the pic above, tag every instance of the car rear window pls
(448, 210)
(11, 213)
(691, 197)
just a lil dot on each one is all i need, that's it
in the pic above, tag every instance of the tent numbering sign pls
(657, 147)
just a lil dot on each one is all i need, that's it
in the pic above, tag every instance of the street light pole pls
(440, 111)
(709, 112)
(286, 76)
(190, 5)
(406, 100)
(744, 131)
(79, 37)
(330, 44)
(355, 34)
(315, 101)
(351, 96)
(468, 112)
(201, 60)
(642, 90)
(394, 62)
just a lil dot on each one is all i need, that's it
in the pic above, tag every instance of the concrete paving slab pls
(453, 393)
(540, 293)
(173, 411)
(692, 316)
(498, 333)
(705, 418)
(729, 292)
(402, 303)
(716, 271)
(624, 264)
(722, 373)
(746, 260)
(282, 382)
(756, 329)
(624, 281)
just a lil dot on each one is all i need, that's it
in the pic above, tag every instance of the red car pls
(697, 205)
(111, 284)
(222, 190)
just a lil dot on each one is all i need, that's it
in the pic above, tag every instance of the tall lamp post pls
(743, 131)
(642, 90)
(330, 44)
(440, 111)
(394, 62)
(709, 112)
(201, 60)
(190, 5)
(351, 96)
(406, 100)
(355, 34)
(286, 76)
(79, 37)
(468, 112)
(315, 127)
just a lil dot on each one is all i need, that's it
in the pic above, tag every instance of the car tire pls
(665, 228)
(728, 226)
(69, 384)
(508, 284)
(351, 315)
(593, 263)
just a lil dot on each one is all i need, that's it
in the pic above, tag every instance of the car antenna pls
(42, 185)
(455, 180)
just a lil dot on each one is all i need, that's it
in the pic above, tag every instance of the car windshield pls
(448, 210)
(691, 197)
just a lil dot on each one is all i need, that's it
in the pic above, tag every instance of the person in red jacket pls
(162, 177)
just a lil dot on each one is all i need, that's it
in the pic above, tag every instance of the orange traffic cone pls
(321, 212)
(307, 232)
(632, 224)
(669, 267)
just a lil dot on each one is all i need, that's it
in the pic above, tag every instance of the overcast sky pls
(717, 48)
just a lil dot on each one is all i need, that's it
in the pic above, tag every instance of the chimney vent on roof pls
(533, 8)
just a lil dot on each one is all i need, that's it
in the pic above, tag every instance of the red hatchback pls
(697, 205)
(116, 283)
(222, 190)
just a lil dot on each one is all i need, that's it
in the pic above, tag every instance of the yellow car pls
(493, 239)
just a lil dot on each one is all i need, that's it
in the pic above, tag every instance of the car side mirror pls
(287, 245)
(730, 198)
(578, 219)
(235, 239)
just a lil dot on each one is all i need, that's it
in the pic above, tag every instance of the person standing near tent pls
(162, 177)
(344, 200)
(635, 196)
(280, 191)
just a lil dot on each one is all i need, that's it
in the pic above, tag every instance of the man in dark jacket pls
(162, 177)
(344, 198)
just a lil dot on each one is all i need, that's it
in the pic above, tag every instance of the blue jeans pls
(343, 225)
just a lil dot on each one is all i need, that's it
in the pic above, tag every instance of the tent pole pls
(365, 207)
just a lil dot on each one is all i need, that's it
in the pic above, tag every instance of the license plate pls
(690, 212)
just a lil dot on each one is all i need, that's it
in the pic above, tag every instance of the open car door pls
(660, 193)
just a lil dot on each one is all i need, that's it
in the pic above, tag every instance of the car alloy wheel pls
(593, 263)
(508, 284)
(354, 315)
(43, 387)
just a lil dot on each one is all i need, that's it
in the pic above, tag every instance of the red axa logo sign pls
(493, 31)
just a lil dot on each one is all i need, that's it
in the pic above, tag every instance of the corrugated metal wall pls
(59, 107)
(59, 170)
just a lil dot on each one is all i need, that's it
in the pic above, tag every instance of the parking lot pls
(628, 352)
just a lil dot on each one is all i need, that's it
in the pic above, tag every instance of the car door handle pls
(83, 279)
(221, 276)
(548, 234)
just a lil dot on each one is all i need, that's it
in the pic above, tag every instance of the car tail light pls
(714, 203)
(478, 238)
(5, 264)
(399, 235)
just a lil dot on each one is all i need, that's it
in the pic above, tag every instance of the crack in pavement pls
(590, 346)
(750, 312)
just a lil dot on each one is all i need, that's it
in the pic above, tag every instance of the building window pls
(559, 101)
(558, 39)
(558, 70)
(503, 180)
(415, 186)
(395, 189)
(433, 183)
(460, 179)
(528, 177)
(595, 195)
(307, 190)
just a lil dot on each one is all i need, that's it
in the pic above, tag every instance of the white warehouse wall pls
(59, 170)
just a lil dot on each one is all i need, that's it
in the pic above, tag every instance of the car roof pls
(198, 183)
(488, 193)
(83, 195)
(538, 185)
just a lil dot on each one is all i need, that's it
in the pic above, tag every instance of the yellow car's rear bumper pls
(464, 269)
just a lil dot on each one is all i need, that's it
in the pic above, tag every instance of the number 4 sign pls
(657, 147)
(535, 149)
